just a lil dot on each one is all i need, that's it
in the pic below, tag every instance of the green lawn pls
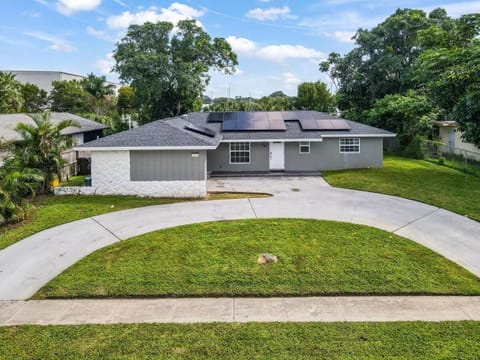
(414, 340)
(418, 180)
(220, 259)
(74, 181)
(56, 210)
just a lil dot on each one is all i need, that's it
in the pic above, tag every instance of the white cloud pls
(105, 64)
(241, 45)
(276, 53)
(100, 34)
(290, 80)
(457, 9)
(283, 52)
(56, 43)
(342, 35)
(174, 13)
(348, 20)
(270, 14)
(68, 7)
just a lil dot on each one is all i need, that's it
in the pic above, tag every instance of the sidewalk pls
(204, 310)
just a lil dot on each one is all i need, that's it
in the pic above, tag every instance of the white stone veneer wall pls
(111, 176)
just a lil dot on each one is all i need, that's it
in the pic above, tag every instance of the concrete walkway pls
(313, 309)
(29, 264)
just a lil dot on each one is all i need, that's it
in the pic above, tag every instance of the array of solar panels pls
(201, 130)
(275, 120)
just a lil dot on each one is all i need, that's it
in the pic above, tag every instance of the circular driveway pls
(29, 264)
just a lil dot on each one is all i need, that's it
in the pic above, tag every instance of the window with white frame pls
(304, 147)
(240, 153)
(349, 145)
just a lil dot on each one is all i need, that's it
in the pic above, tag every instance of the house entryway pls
(277, 155)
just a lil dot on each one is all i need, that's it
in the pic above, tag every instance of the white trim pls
(348, 152)
(304, 144)
(127, 148)
(360, 136)
(249, 153)
(271, 140)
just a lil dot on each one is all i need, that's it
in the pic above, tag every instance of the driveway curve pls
(29, 264)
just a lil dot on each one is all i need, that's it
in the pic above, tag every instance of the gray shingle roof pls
(172, 133)
(160, 133)
(8, 123)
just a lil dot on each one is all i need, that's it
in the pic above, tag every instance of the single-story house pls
(88, 130)
(452, 141)
(173, 157)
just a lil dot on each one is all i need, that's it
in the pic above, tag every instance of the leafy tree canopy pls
(11, 99)
(168, 68)
(68, 96)
(314, 96)
(35, 99)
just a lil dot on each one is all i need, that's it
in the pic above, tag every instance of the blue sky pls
(279, 42)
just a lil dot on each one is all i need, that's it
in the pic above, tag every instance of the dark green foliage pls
(16, 183)
(435, 56)
(99, 90)
(125, 99)
(41, 146)
(406, 115)
(169, 70)
(11, 99)
(220, 259)
(380, 64)
(69, 96)
(35, 99)
(314, 96)
(452, 78)
(414, 149)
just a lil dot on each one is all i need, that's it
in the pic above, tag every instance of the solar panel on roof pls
(250, 121)
(289, 115)
(340, 124)
(324, 124)
(201, 130)
(215, 117)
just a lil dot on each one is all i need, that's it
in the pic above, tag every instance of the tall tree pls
(41, 146)
(11, 99)
(168, 68)
(450, 72)
(35, 99)
(98, 88)
(68, 96)
(381, 62)
(314, 96)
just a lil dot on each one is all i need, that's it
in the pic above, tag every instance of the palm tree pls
(15, 185)
(41, 147)
(97, 87)
(11, 98)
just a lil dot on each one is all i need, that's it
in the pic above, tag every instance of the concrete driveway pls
(29, 264)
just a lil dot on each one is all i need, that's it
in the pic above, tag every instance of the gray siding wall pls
(326, 155)
(167, 165)
(219, 159)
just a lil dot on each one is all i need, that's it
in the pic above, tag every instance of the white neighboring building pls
(452, 141)
(44, 79)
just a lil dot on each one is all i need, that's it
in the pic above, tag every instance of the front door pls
(277, 156)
